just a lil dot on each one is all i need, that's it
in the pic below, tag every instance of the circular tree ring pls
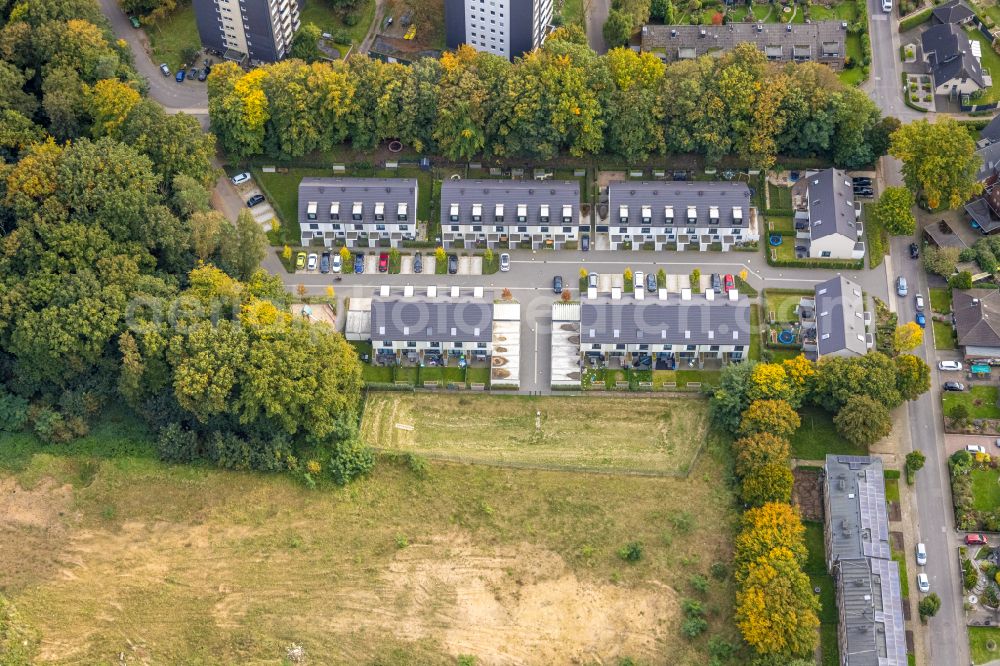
(991, 645)
(395, 146)
(455, 176)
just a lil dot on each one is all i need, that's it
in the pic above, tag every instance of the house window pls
(311, 211)
(545, 214)
(356, 211)
(643, 347)
(544, 230)
(335, 210)
(477, 212)
(567, 230)
(379, 227)
(522, 229)
(595, 346)
(477, 227)
(454, 227)
(457, 345)
(499, 230)
(620, 346)
(411, 343)
(481, 345)
(379, 211)
(453, 216)
(401, 212)
(404, 227)
(825, 253)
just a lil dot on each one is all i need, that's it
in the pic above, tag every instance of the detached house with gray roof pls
(510, 213)
(952, 60)
(871, 631)
(822, 41)
(834, 321)
(977, 322)
(827, 217)
(680, 215)
(358, 212)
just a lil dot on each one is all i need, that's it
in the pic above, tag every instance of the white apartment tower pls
(508, 28)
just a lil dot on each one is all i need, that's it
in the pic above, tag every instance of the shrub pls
(693, 627)
(13, 412)
(176, 443)
(929, 606)
(719, 570)
(961, 280)
(351, 18)
(631, 552)
(699, 583)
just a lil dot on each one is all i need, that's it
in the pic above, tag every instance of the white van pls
(887, 6)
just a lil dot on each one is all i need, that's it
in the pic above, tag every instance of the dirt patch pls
(32, 531)
(512, 605)
(895, 513)
(807, 493)
(896, 540)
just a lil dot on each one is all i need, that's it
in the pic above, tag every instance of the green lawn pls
(985, 489)
(991, 62)
(783, 304)
(941, 299)
(817, 437)
(779, 355)
(981, 401)
(661, 436)
(781, 197)
(978, 638)
(377, 374)
(891, 490)
(854, 75)
(781, 223)
(323, 14)
(944, 335)
(816, 569)
(172, 35)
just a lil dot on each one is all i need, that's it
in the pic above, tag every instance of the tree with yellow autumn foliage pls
(774, 416)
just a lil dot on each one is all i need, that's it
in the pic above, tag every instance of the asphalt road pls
(595, 15)
(189, 97)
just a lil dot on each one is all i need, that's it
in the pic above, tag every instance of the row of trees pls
(118, 284)
(562, 98)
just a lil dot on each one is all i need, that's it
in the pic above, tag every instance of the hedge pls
(912, 21)
(856, 265)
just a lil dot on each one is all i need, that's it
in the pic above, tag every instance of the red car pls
(383, 262)
(975, 540)
(729, 284)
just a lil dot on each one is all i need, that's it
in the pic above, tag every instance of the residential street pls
(595, 14)
(189, 97)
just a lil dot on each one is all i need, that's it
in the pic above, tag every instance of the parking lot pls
(263, 213)
(467, 265)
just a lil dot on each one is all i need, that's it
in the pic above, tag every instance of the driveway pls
(190, 97)
(595, 14)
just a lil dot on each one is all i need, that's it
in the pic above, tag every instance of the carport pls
(565, 362)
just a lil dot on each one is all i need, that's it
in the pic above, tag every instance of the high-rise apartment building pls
(258, 30)
(507, 28)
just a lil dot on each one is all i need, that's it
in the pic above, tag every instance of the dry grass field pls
(127, 560)
(651, 435)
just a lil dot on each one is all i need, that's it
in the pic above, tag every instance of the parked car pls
(975, 540)
(240, 178)
(452, 264)
(638, 279)
(180, 76)
(337, 264)
(954, 386)
(203, 74)
(504, 262)
(864, 192)
(863, 181)
(717, 283)
(134, 20)
(300, 260)
(921, 320)
(949, 365)
(585, 243)
(729, 283)
(313, 261)
(383, 262)
(919, 301)
(651, 283)
(557, 284)
(359, 263)
(193, 74)
(914, 251)
(324, 262)
(418, 262)
(164, 69)
(886, 6)
(901, 286)
(975, 448)
(921, 554)
(592, 281)
(255, 200)
(923, 583)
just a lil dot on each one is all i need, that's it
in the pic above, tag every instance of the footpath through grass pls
(188, 564)
(637, 434)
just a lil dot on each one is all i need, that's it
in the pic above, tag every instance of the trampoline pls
(786, 337)
(775, 240)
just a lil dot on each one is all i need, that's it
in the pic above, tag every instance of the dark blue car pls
(180, 76)
(921, 320)
(359, 263)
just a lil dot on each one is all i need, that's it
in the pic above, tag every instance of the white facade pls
(357, 212)
(486, 26)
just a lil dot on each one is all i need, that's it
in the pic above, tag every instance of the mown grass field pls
(817, 436)
(655, 435)
(106, 552)
(172, 35)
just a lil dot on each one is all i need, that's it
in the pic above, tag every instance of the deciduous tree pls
(913, 376)
(759, 449)
(908, 337)
(894, 211)
(767, 483)
(863, 421)
(764, 528)
(774, 416)
(939, 161)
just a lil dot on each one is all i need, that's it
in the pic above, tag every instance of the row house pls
(415, 329)
(669, 328)
(679, 215)
(509, 214)
(834, 321)
(357, 212)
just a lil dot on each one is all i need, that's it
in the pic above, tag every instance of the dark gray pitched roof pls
(950, 54)
(432, 320)
(368, 191)
(672, 321)
(840, 317)
(977, 317)
(510, 193)
(680, 196)
(991, 133)
(822, 39)
(831, 204)
(991, 160)
(954, 11)
(858, 519)
(979, 209)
